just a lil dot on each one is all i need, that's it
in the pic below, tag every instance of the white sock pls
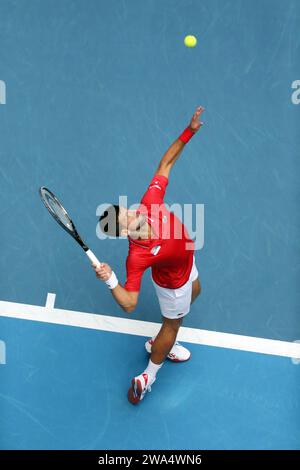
(152, 369)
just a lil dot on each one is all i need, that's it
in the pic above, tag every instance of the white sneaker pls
(177, 354)
(140, 385)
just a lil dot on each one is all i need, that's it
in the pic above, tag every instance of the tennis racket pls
(61, 216)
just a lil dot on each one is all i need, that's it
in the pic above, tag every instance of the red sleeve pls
(135, 268)
(156, 190)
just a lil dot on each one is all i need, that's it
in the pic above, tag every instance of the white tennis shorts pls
(175, 303)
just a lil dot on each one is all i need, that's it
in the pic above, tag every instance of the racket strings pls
(56, 209)
(60, 213)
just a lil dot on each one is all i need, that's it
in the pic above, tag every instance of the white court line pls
(50, 301)
(142, 328)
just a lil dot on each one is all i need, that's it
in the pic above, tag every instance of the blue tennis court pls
(91, 96)
(66, 387)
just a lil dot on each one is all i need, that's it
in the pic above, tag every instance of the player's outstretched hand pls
(195, 123)
(103, 271)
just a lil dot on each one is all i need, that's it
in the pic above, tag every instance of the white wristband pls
(112, 282)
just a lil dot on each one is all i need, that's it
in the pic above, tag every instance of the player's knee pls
(172, 325)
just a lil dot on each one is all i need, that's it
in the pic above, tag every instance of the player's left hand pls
(103, 271)
(195, 123)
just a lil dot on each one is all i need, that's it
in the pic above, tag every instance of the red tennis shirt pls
(169, 253)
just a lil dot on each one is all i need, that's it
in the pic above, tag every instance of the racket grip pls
(92, 257)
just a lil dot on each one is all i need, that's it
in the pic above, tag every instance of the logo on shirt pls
(155, 184)
(155, 249)
(164, 219)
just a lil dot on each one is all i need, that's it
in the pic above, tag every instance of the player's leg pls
(161, 347)
(174, 304)
(177, 353)
(165, 339)
(196, 289)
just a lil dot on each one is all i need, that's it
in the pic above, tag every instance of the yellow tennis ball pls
(190, 41)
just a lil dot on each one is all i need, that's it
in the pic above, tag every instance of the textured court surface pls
(58, 392)
(95, 93)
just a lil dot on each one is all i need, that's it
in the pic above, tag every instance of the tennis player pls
(157, 239)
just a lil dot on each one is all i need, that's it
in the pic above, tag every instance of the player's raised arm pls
(176, 148)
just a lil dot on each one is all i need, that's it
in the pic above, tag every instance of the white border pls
(49, 314)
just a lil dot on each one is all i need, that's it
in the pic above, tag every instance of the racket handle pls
(92, 257)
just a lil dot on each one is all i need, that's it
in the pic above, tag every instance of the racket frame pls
(74, 234)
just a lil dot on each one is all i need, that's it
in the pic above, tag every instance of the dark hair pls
(109, 221)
